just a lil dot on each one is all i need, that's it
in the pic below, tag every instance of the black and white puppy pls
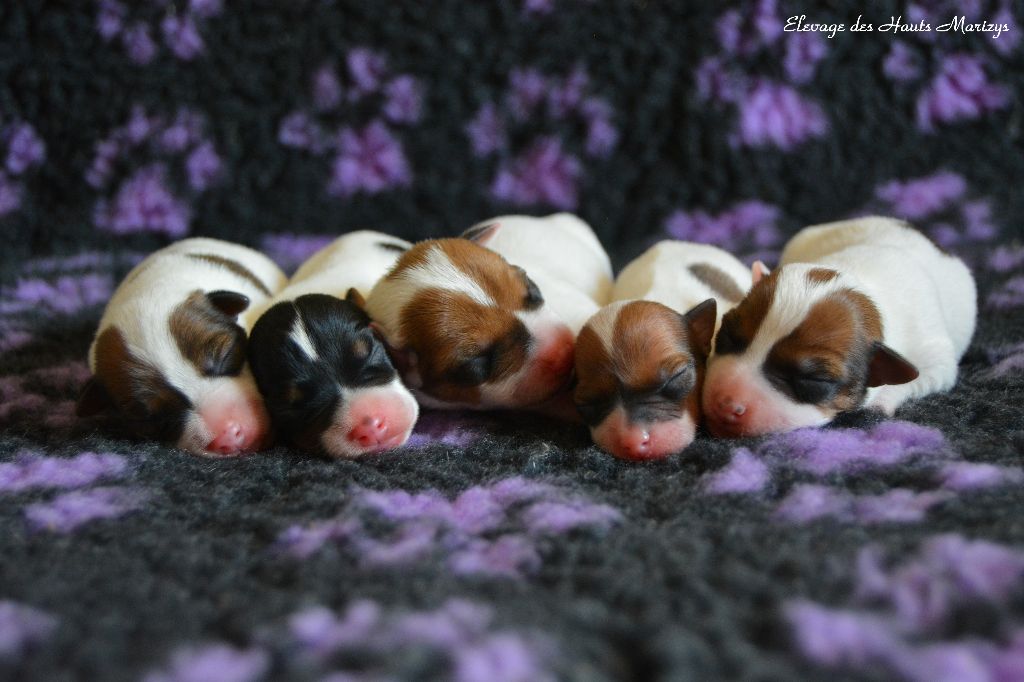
(325, 376)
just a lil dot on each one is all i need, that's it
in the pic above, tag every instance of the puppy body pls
(169, 353)
(468, 329)
(640, 359)
(326, 377)
(561, 254)
(864, 312)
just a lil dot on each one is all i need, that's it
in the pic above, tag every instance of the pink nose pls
(558, 357)
(372, 431)
(634, 444)
(231, 440)
(730, 410)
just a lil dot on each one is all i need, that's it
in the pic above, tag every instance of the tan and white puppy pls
(864, 312)
(468, 328)
(640, 360)
(169, 354)
(325, 375)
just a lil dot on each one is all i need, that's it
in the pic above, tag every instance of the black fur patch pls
(301, 393)
(393, 246)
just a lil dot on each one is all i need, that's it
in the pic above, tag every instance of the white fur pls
(562, 256)
(142, 306)
(926, 300)
(352, 261)
(335, 440)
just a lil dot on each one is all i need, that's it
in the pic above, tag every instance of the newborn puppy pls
(467, 328)
(864, 312)
(169, 354)
(561, 255)
(640, 360)
(327, 380)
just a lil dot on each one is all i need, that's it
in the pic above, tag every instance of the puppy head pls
(185, 382)
(468, 329)
(803, 346)
(326, 377)
(639, 367)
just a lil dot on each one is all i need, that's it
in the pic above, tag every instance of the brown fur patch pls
(448, 329)
(821, 275)
(833, 341)
(718, 281)
(208, 339)
(234, 267)
(740, 324)
(139, 391)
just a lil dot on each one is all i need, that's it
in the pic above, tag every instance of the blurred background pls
(126, 125)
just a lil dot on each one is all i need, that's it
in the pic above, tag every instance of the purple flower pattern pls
(769, 112)
(135, 25)
(499, 529)
(25, 151)
(545, 169)
(150, 170)
(900, 613)
(69, 511)
(366, 155)
(826, 453)
(745, 225)
(22, 627)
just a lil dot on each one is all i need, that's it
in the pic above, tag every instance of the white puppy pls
(325, 375)
(640, 360)
(169, 354)
(864, 312)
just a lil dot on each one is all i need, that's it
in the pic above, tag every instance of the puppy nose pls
(230, 441)
(372, 430)
(635, 443)
(558, 357)
(729, 409)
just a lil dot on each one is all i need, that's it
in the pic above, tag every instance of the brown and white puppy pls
(640, 360)
(864, 312)
(325, 375)
(468, 329)
(169, 354)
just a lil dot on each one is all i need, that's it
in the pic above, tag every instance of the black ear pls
(93, 399)
(889, 368)
(700, 322)
(481, 234)
(355, 298)
(228, 302)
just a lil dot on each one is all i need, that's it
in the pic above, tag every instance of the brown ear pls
(228, 302)
(355, 298)
(700, 322)
(93, 399)
(889, 368)
(481, 234)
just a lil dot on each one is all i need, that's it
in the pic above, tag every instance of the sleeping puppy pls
(864, 312)
(468, 328)
(640, 360)
(327, 380)
(169, 355)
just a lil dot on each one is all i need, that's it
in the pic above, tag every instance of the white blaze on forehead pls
(795, 295)
(439, 271)
(301, 339)
(603, 325)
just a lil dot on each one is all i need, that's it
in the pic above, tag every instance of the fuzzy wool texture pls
(504, 547)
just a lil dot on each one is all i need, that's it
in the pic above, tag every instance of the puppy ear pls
(231, 303)
(93, 399)
(700, 323)
(758, 271)
(405, 360)
(355, 298)
(889, 368)
(481, 234)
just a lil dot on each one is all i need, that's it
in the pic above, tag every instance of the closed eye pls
(679, 385)
(476, 370)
